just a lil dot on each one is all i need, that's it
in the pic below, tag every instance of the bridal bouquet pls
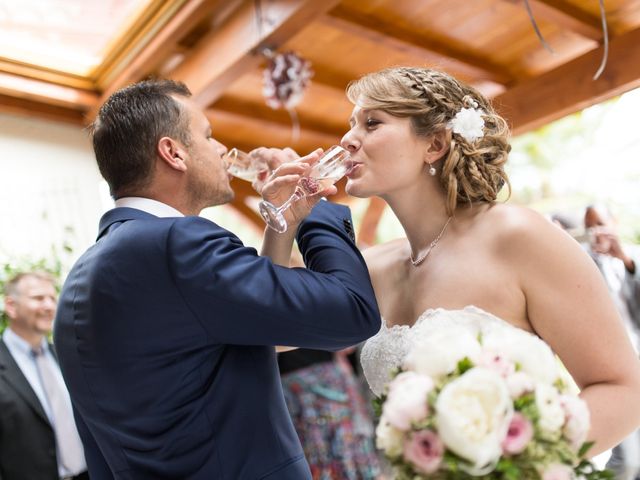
(491, 402)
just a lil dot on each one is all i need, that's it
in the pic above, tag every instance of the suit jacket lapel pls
(12, 374)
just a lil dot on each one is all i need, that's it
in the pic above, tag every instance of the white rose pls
(437, 352)
(578, 419)
(528, 351)
(407, 399)
(473, 413)
(550, 408)
(388, 438)
(520, 383)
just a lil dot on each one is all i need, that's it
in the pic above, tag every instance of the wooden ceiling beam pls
(356, 23)
(48, 93)
(329, 77)
(261, 111)
(162, 45)
(569, 16)
(29, 108)
(232, 50)
(570, 87)
(238, 130)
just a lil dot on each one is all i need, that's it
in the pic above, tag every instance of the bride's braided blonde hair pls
(472, 171)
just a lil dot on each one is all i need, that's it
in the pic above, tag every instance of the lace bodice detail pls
(387, 349)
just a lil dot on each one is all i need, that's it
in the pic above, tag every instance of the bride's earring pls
(432, 170)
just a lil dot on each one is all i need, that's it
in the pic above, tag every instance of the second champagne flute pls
(242, 165)
(331, 167)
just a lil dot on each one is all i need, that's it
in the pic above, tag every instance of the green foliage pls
(464, 365)
(377, 405)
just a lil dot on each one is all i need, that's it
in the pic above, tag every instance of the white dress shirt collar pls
(148, 205)
(17, 343)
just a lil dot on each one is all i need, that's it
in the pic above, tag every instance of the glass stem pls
(297, 195)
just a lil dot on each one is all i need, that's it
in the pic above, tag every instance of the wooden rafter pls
(162, 45)
(355, 22)
(29, 108)
(235, 129)
(47, 93)
(570, 87)
(569, 16)
(233, 49)
(260, 111)
(128, 43)
(45, 75)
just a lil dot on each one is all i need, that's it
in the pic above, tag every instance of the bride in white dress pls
(435, 150)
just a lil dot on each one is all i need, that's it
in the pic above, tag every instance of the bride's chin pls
(352, 189)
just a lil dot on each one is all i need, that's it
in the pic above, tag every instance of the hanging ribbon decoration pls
(535, 27)
(605, 31)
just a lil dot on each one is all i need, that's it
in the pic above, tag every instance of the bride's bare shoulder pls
(515, 220)
(520, 228)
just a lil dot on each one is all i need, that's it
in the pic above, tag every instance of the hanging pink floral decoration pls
(285, 79)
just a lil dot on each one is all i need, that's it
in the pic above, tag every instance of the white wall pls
(49, 183)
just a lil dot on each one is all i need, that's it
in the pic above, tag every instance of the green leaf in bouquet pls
(587, 470)
(526, 404)
(432, 398)
(377, 403)
(464, 365)
(508, 469)
(560, 385)
(584, 448)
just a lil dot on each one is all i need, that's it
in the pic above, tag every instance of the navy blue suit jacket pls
(165, 332)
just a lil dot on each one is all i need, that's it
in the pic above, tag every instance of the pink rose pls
(519, 434)
(407, 400)
(424, 450)
(557, 471)
(496, 362)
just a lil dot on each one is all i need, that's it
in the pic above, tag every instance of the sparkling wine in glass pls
(330, 168)
(242, 165)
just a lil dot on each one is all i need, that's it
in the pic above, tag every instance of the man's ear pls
(438, 146)
(172, 153)
(10, 307)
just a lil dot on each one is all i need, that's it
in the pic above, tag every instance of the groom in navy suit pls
(166, 327)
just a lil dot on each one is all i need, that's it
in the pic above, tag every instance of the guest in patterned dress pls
(330, 414)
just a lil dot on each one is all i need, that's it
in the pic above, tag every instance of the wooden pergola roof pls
(215, 47)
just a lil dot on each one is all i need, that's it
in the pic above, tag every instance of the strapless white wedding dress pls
(386, 350)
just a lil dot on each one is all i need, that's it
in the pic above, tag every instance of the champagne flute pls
(331, 167)
(242, 165)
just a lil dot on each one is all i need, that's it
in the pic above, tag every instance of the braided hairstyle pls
(472, 171)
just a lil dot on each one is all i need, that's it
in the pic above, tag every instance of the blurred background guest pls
(618, 264)
(330, 414)
(38, 436)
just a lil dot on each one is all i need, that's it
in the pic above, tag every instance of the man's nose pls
(49, 303)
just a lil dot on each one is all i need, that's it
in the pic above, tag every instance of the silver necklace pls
(423, 257)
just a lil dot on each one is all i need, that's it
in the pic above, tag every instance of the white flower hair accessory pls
(468, 123)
